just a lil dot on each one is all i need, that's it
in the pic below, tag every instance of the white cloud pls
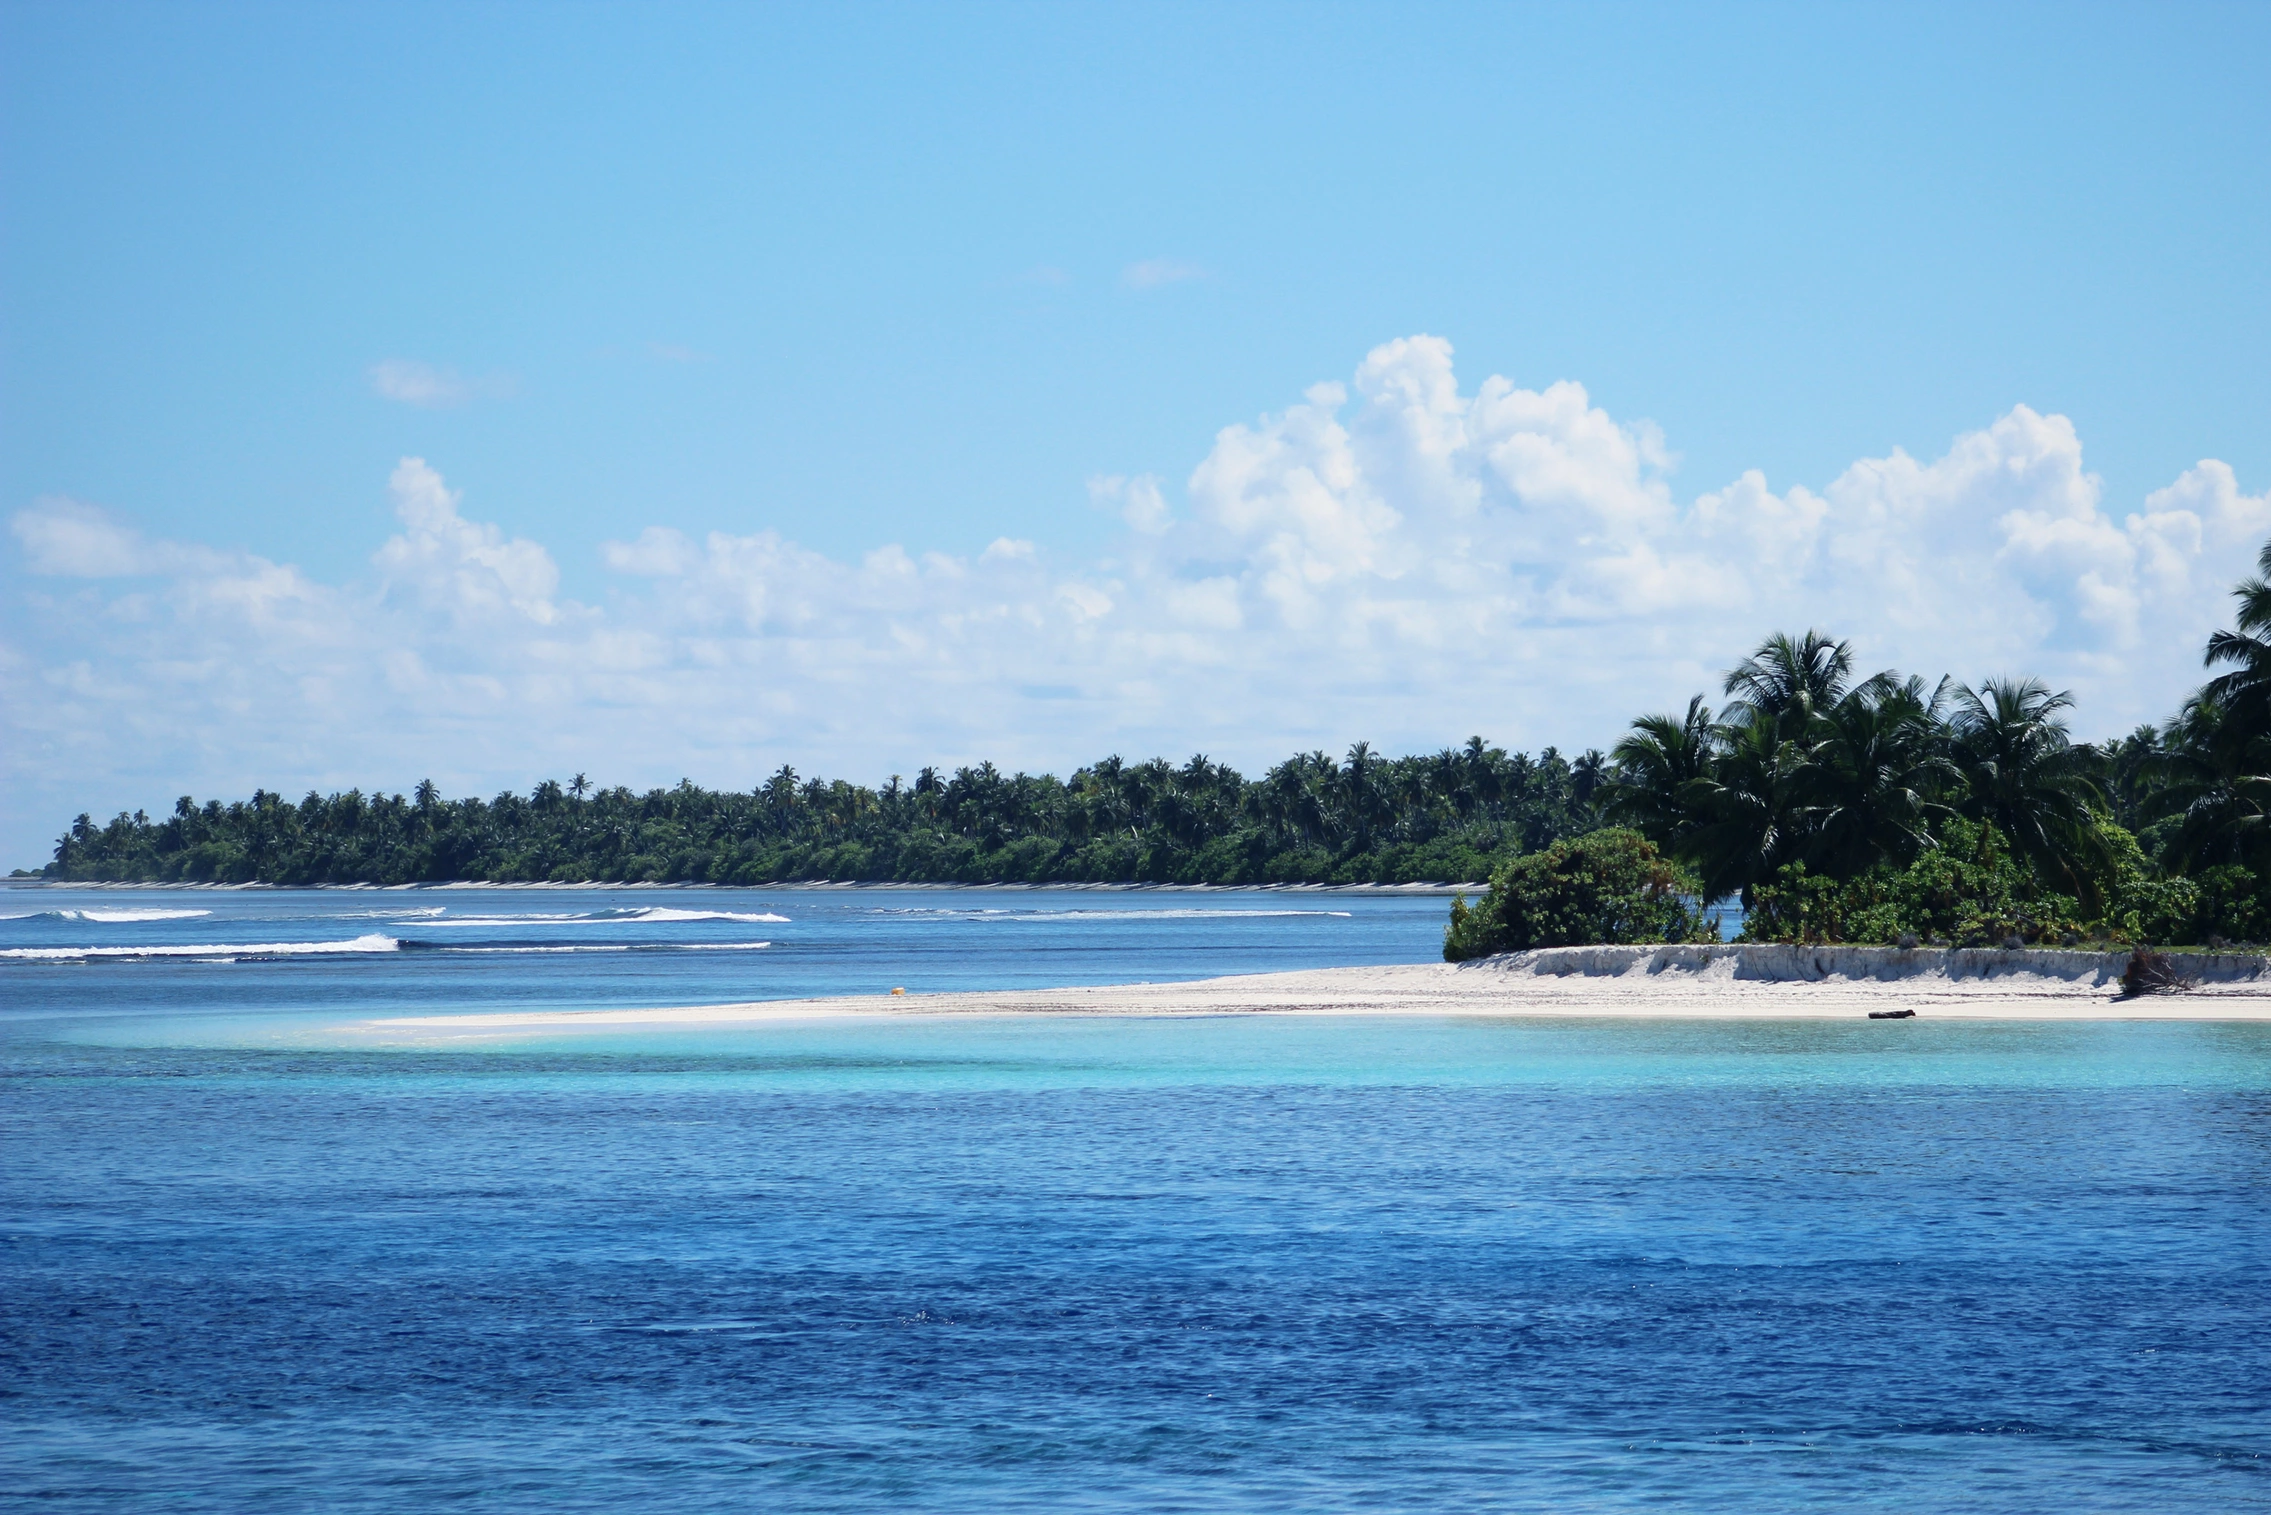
(464, 568)
(1394, 558)
(67, 538)
(1136, 501)
(658, 553)
(432, 388)
(1151, 273)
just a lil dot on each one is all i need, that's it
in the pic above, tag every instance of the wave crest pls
(630, 916)
(99, 916)
(364, 944)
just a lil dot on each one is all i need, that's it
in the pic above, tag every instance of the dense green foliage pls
(1880, 810)
(1608, 886)
(1969, 891)
(1446, 817)
(1972, 891)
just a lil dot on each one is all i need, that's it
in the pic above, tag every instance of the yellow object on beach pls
(898, 991)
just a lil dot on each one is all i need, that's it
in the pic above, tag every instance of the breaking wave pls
(646, 915)
(664, 913)
(455, 950)
(105, 917)
(363, 944)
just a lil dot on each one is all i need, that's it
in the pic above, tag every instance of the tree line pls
(1364, 818)
(1841, 808)
(1834, 806)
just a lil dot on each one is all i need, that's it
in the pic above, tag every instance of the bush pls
(1967, 892)
(1813, 908)
(2228, 902)
(1607, 887)
(2142, 906)
(2232, 905)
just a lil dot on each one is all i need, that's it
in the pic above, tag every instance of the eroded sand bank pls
(1728, 982)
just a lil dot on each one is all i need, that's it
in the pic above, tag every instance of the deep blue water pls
(250, 1262)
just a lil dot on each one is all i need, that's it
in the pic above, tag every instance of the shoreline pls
(1639, 983)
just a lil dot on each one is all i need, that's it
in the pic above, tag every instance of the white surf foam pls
(106, 917)
(372, 943)
(665, 913)
(651, 915)
(618, 947)
(504, 920)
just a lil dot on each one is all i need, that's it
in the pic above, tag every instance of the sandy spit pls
(1675, 982)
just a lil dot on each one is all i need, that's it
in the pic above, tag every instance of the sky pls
(494, 393)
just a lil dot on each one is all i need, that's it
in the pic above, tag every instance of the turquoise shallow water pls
(249, 1262)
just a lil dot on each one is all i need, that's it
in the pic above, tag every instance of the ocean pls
(255, 1258)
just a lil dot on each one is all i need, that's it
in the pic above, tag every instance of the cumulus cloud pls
(1136, 501)
(1396, 557)
(464, 568)
(70, 539)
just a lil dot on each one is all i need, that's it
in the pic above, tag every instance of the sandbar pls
(1692, 982)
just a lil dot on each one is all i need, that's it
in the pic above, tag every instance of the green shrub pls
(2141, 905)
(1814, 908)
(1607, 886)
(1967, 892)
(2230, 903)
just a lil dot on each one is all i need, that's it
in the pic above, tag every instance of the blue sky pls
(930, 277)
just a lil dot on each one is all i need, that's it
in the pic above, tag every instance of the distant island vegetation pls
(1363, 819)
(1835, 807)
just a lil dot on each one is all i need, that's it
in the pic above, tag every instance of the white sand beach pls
(1688, 981)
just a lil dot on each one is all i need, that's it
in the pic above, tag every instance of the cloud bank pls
(1393, 558)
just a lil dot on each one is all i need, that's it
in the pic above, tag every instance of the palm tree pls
(2244, 694)
(1485, 772)
(1364, 804)
(2024, 776)
(1788, 681)
(1874, 776)
(1652, 769)
(2215, 776)
(2129, 769)
(1747, 821)
(1585, 777)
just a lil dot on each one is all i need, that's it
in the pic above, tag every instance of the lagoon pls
(995, 1263)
